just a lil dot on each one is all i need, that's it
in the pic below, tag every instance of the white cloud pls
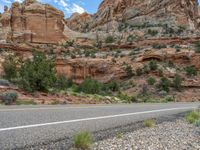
(77, 8)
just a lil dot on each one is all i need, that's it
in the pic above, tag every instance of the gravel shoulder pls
(171, 132)
(170, 135)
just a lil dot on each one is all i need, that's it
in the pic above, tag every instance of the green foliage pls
(29, 102)
(159, 46)
(152, 32)
(139, 71)
(122, 27)
(130, 38)
(149, 123)
(110, 39)
(129, 71)
(193, 116)
(190, 71)
(153, 65)
(177, 82)
(90, 86)
(197, 47)
(164, 84)
(124, 97)
(168, 99)
(151, 81)
(83, 140)
(37, 74)
(10, 67)
(62, 83)
(9, 97)
(69, 43)
(197, 123)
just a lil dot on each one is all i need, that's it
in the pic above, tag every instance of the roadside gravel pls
(176, 135)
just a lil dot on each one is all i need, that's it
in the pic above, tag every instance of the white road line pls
(95, 118)
(51, 108)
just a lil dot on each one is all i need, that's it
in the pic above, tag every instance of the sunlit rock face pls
(32, 22)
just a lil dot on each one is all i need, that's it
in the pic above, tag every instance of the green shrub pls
(9, 97)
(110, 39)
(164, 84)
(197, 123)
(69, 43)
(159, 46)
(129, 71)
(193, 116)
(139, 71)
(153, 65)
(177, 82)
(151, 81)
(10, 67)
(149, 123)
(124, 97)
(113, 86)
(37, 74)
(62, 83)
(197, 47)
(169, 99)
(152, 32)
(90, 86)
(190, 71)
(130, 38)
(83, 140)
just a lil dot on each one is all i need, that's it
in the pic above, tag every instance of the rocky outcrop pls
(100, 69)
(32, 22)
(79, 22)
(147, 13)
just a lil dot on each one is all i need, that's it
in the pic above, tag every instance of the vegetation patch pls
(83, 140)
(193, 116)
(149, 123)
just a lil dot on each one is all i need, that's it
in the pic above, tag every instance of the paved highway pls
(22, 126)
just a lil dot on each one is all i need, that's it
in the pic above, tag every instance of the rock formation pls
(32, 22)
(148, 12)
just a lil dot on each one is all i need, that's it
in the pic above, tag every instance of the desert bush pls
(177, 82)
(153, 65)
(152, 32)
(129, 71)
(83, 140)
(158, 46)
(164, 84)
(190, 71)
(37, 74)
(10, 67)
(169, 98)
(9, 97)
(197, 47)
(130, 38)
(139, 71)
(197, 123)
(62, 83)
(151, 81)
(124, 97)
(193, 116)
(90, 86)
(110, 39)
(149, 123)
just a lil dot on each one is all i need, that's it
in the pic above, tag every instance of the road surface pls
(22, 126)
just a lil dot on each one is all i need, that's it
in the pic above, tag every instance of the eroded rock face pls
(136, 12)
(79, 22)
(80, 68)
(33, 22)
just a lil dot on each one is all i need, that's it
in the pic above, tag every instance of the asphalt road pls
(22, 126)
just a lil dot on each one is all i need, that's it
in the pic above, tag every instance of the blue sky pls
(67, 6)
